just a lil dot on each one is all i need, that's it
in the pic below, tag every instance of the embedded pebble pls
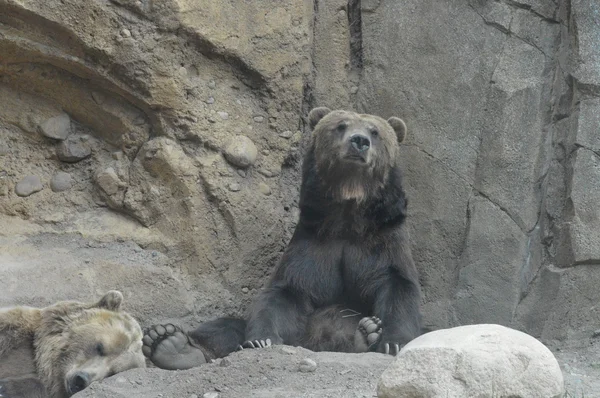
(60, 182)
(244, 290)
(353, 90)
(241, 151)
(286, 134)
(224, 115)
(108, 181)
(266, 152)
(57, 127)
(234, 187)
(264, 189)
(73, 150)
(28, 185)
(242, 173)
(210, 100)
(212, 394)
(307, 365)
(288, 350)
(125, 33)
(224, 363)
(193, 396)
(212, 84)
(259, 119)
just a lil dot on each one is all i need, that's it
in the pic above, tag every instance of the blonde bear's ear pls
(316, 115)
(399, 127)
(111, 300)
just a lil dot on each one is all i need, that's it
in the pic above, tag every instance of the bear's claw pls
(255, 344)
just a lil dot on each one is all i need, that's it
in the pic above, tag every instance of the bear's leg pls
(340, 329)
(278, 317)
(220, 337)
(168, 347)
(331, 329)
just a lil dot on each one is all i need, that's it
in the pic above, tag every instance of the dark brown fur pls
(350, 247)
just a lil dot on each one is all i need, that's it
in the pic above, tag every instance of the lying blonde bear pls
(59, 350)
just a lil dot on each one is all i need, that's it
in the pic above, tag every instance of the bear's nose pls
(79, 381)
(360, 142)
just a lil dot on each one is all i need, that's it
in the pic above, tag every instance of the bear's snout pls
(360, 143)
(78, 382)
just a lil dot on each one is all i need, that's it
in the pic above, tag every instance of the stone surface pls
(73, 149)
(585, 196)
(489, 274)
(28, 186)
(473, 361)
(241, 151)
(267, 373)
(61, 181)
(57, 127)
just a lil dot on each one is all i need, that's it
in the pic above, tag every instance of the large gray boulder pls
(473, 361)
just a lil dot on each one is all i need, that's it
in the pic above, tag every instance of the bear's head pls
(78, 344)
(354, 152)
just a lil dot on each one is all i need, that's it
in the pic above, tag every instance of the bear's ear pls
(111, 301)
(399, 127)
(316, 115)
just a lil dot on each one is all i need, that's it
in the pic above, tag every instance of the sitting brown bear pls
(347, 281)
(59, 350)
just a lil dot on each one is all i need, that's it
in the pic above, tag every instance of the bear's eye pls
(374, 132)
(100, 349)
(342, 127)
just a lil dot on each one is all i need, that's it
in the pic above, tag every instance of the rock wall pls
(155, 147)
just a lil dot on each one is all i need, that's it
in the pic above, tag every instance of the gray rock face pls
(60, 182)
(473, 361)
(497, 154)
(584, 228)
(57, 127)
(28, 186)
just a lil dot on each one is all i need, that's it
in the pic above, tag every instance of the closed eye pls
(342, 127)
(100, 349)
(374, 132)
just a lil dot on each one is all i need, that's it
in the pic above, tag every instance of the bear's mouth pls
(354, 158)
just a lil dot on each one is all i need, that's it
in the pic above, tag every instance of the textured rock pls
(585, 196)
(241, 151)
(57, 127)
(60, 182)
(73, 149)
(489, 274)
(28, 186)
(473, 361)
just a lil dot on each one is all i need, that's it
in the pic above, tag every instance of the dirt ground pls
(268, 373)
(275, 373)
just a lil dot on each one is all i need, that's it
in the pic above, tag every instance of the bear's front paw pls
(255, 344)
(111, 300)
